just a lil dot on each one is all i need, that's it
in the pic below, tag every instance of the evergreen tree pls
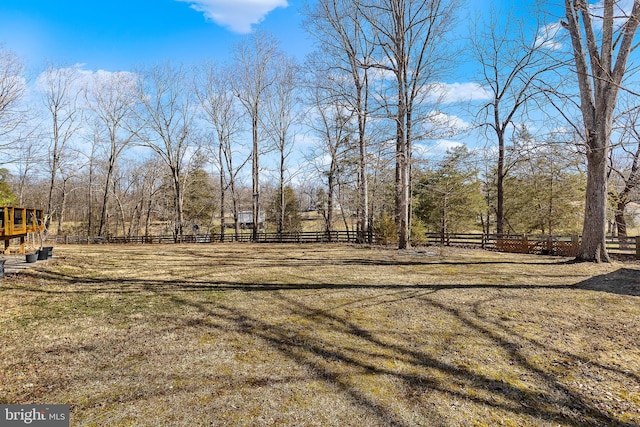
(448, 199)
(7, 198)
(199, 200)
(292, 219)
(545, 193)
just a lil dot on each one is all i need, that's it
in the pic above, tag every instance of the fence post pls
(637, 247)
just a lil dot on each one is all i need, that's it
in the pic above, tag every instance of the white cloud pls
(447, 93)
(446, 122)
(77, 79)
(237, 15)
(437, 150)
(548, 36)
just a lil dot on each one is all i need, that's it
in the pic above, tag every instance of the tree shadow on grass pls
(365, 350)
(624, 281)
(374, 350)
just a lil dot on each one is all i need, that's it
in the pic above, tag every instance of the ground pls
(322, 335)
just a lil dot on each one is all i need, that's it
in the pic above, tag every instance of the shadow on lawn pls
(624, 281)
(364, 350)
(557, 404)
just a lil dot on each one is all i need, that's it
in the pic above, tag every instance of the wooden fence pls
(301, 237)
(522, 243)
(538, 244)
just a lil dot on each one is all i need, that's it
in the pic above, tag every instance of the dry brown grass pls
(324, 335)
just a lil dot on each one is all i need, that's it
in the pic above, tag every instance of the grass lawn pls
(322, 335)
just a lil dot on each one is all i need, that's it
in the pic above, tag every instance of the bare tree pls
(281, 115)
(219, 104)
(61, 90)
(67, 174)
(167, 111)
(345, 55)
(600, 77)
(624, 167)
(140, 175)
(148, 181)
(330, 122)
(12, 88)
(111, 98)
(511, 69)
(254, 59)
(410, 37)
(30, 156)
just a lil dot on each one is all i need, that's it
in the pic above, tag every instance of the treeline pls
(346, 133)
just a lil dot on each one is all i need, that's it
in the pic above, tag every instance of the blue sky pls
(119, 35)
(129, 35)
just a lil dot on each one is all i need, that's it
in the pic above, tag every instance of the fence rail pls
(301, 237)
(541, 244)
(554, 244)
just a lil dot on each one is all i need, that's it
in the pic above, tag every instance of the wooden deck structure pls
(17, 223)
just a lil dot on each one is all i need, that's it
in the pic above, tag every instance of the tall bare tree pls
(148, 180)
(511, 69)
(280, 118)
(345, 56)
(602, 37)
(330, 122)
(410, 38)
(215, 93)
(254, 58)
(12, 89)
(167, 111)
(61, 90)
(624, 166)
(112, 98)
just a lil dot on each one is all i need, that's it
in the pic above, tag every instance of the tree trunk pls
(593, 247)
(330, 191)
(222, 215)
(178, 208)
(281, 216)
(621, 224)
(500, 187)
(147, 222)
(222, 191)
(599, 84)
(443, 220)
(255, 179)
(105, 199)
(402, 167)
(364, 197)
(63, 203)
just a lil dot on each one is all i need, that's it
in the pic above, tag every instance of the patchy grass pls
(326, 335)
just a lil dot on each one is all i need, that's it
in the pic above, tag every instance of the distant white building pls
(245, 219)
